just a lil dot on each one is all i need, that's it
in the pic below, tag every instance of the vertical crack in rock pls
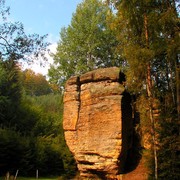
(95, 112)
(127, 129)
(78, 97)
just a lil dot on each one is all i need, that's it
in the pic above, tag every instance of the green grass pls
(31, 178)
(22, 178)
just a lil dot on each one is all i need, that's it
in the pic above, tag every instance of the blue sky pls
(43, 16)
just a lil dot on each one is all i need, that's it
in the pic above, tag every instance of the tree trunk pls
(150, 98)
(178, 88)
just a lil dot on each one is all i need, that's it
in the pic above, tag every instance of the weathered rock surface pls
(97, 122)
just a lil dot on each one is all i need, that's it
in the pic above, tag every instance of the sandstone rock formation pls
(98, 122)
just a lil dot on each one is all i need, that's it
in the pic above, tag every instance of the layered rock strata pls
(97, 122)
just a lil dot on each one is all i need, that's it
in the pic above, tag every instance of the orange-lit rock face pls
(94, 122)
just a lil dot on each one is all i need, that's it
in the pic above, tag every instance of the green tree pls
(48, 141)
(35, 84)
(168, 152)
(148, 34)
(31, 134)
(87, 43)
(3, 99)
(12, 150)
(14, 45)
(14, 42)
(10, 92)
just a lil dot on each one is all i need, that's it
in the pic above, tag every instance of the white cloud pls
(42, 66)
(52, 39)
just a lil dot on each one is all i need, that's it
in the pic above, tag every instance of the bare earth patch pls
(140, 173)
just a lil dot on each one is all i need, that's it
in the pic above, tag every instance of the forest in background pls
(141, 37)
(31, 134)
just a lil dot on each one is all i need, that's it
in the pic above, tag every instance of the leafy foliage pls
(168, 154)
(14, 41)
(144, 33)
(87, 43)
(31, 134)
(10, 92)
(35, 84)
(12, 150)
(38, 140)
(148, 34)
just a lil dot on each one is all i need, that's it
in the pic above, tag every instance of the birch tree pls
(86, 44)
